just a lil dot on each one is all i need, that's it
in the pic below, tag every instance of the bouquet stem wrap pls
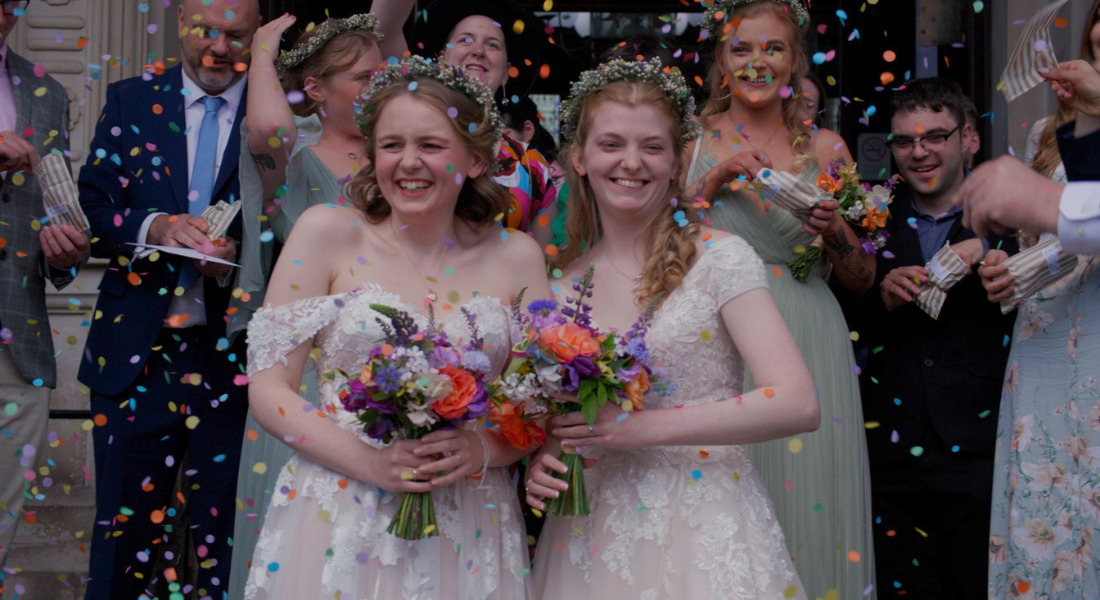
(574, 502)
(415, 518)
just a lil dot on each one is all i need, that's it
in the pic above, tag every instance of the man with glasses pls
(30, 127)
(932, 385)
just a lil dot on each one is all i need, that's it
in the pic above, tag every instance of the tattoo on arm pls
(264, 161)
(850, 259)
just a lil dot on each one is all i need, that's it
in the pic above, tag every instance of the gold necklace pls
(431, 296)
(635, 280)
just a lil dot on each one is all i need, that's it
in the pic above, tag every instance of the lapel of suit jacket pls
(908, 246)
(231, 156)
(172, 143)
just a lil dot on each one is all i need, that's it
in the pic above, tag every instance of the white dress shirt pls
(1079, 218)
(191, 301)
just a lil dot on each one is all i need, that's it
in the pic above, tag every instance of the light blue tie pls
(202, 176)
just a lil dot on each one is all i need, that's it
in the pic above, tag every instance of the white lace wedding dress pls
(325, 534)
(678, 522)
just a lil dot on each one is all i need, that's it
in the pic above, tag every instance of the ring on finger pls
(591, 430)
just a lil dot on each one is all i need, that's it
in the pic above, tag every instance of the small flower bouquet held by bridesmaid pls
(865, 207)
(562, 356)
(415, 383)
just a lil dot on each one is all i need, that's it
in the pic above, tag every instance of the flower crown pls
(324, 33)
(411, 67)
(718, 12)
(670, 82)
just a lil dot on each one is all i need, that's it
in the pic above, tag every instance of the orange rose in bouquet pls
(569, 341)
(455, 404)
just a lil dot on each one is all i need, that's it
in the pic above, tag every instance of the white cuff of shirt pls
(1079, 218)
(143, 233)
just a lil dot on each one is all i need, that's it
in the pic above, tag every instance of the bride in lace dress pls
(419, 234)
(677, 509)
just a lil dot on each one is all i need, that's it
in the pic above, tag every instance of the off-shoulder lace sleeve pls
(274, 333)
(732, 268)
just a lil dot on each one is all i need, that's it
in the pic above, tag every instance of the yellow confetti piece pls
(872, 425)
(791, 591)
(854, 336)
(274, 141)
(923, 534)
(548, 6)
(195, 379)
(406, 476)
(704, 335)
(259, 468)
(518, 27)
(191, 422)
(536, 512)
(795, 445)
(36, 225)
(40, 92)
(323, 515)
(832, 594)
(18, 179)
(429, 529)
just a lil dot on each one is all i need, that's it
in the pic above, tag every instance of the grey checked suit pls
(23, 266)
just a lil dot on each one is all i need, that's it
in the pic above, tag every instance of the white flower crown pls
(671, 82)
(325, 32)
(718, 12)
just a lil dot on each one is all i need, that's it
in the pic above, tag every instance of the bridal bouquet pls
(414, 383)
(561, 351)
(866, 208)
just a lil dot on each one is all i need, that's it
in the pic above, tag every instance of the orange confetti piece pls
(100, 420)
(886, 78)
(175, 320)
(551, 250)
(544, 71)
(387, 350)
(778, 272)
(853, 556)
(30, 519)
(513, 72)
(208, 61)
(3, 242)
(918, 128)
(157, 109)
(292, 494)
(133, 278)
(889, 56)
(447, 307)
(170, 574)
(698, 81)
(891, 533)
(240, 67)
(343, 483)
(157, 517)
(252, 435)
(544, 220)
(1061, 22)
(703, 454)
(282, 412)
(147, 487)
(768, 392)
(1023, 587)
(245, 297)
(707, 236)
(81, 42)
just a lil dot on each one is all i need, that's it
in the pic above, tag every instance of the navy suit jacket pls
(1081, 156)
(925, 375)
(137, 166)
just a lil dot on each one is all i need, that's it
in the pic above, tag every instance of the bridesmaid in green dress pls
(298, 155)
(820, 482)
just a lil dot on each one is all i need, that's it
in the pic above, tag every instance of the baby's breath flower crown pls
(324, 33)
(671, 82)
(718, 12)
(409, 68)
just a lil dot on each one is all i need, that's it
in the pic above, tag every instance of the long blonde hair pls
(337, 55)
(1047, 158)
(481, 199)
(718, 83)
(669, 246)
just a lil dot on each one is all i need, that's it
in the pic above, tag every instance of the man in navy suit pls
(166, 384)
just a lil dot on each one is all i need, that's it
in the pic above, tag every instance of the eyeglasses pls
(904, 145)
(10, 6)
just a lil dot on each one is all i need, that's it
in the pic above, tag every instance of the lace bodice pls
(678, 521)
(344, 328)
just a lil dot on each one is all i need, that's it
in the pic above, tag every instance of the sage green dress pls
(820, 482)
(309, 182)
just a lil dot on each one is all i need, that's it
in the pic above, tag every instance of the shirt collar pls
(194, 93)
(951, 212)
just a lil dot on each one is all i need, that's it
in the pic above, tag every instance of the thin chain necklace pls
(741, 135)
(350, 155)
(431, 296)
(635, 280)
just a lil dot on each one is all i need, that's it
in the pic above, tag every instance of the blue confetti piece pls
(1007, 339)
(897, 401)
(143, 7)
(273, 567)
(37, 383)
(472, 127)
(219, 458)
(955, 448)
(697, 474)
(267, 236)
(413, 85)
(912, 221)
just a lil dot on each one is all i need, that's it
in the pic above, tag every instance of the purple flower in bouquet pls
(631, 372)
(443, 356)
(479, 405)
(636, 347)
(581, 367)
(388, 379)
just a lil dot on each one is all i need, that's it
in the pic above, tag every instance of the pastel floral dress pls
(1046, 486)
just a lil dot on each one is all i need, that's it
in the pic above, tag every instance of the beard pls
(210, 79)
